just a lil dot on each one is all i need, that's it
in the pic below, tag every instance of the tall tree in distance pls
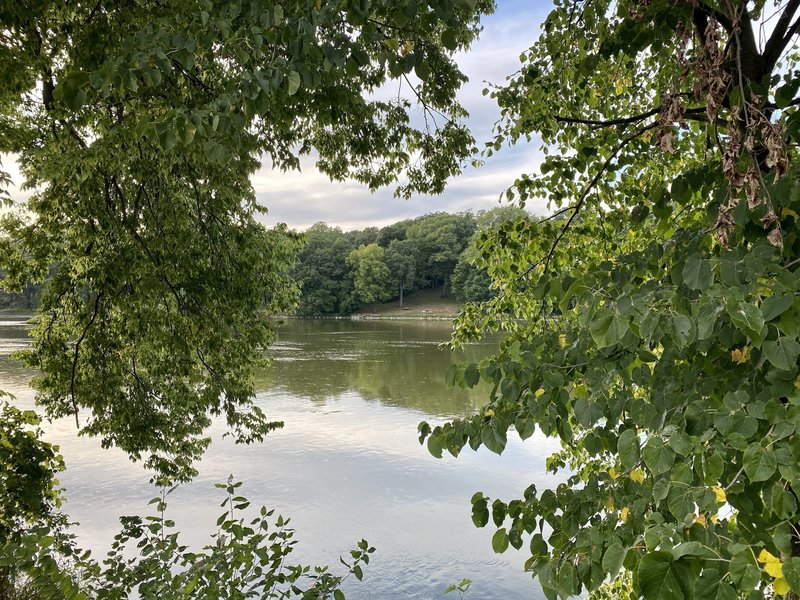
(438, 239)
(371, 277)
(672, 256)
(399, 257)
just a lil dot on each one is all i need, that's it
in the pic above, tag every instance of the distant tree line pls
(341, 271)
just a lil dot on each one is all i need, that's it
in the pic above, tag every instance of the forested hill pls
(340, 271)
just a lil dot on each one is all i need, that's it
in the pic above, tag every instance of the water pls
(346, 465)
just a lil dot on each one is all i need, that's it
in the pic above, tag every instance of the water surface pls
(346, 465)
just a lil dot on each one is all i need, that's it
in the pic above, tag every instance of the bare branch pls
(780, 37)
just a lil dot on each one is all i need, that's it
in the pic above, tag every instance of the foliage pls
(400, 257)
(29, 498)
(439, 238)
(470, 280)
(371, 276)
(671, 371)
(323, 273)
(339, 271)
(138, 127)
(462, 588)
(247, 559)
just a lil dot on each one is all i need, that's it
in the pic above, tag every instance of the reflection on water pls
(346, 465)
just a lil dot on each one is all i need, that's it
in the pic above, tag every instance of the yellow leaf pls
(623, 514)
(740, 355)
(772, 564)
(788, 212)
(612, 472)
(720, 494)
(701, 518)
(489, 413)
(780, 586)
(637, 475)
(539, 392)
(562, 340)
(765, 556)
(774, 569)
(609, 503)
(797, 383)
(714, 519)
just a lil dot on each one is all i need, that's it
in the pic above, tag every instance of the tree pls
(438, 239)
(138, 126)
(323, 273)
(399, 257)
(470, 281)
(371, 276)
(671, 374)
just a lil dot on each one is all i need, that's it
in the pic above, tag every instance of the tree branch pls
(590, 186)
(780, 37)
(77, 354)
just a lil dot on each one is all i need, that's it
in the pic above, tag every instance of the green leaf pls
(471, 375)
(338, 594)
(697, 273)
(791, 572)
(748, 319)
(711, 586)
(71, 91)
(759, 462)
(493, 436)
(480, 513)
(744, 572)
(292, 83)
(628, 448)
(782, 353)
(607, 328)
(775, 306)
(500, 541)
(658, 457)
(662, 578)
(449, 39)
(613, 558)
(435, 446)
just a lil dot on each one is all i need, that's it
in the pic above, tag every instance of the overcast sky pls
(301, 199)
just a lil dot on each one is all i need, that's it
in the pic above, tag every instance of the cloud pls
(302, 199)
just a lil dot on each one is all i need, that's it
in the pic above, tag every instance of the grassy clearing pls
(420, 304)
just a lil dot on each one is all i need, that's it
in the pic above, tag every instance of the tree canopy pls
(138, 127)
(654, 316)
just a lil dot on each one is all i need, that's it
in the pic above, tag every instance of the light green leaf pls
(292, 83)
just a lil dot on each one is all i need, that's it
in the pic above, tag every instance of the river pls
(347, 465)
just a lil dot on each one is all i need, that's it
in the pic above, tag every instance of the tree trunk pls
(402, 286)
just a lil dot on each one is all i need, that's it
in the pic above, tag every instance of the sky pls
(303, 198)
